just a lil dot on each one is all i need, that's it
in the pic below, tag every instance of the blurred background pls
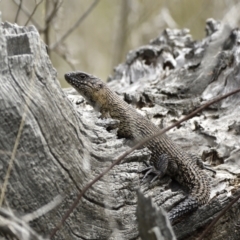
(95, 36)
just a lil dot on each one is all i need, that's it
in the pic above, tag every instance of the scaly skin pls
(167, 157)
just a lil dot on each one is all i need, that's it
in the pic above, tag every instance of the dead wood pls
(63, 144)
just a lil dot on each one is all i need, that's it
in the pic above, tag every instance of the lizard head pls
(89, 86)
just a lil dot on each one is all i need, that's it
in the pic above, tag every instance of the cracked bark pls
(64, 144)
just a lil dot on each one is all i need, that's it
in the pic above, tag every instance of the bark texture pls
(63, 144)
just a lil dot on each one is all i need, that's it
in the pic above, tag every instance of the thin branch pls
(34, 10)
(19, 8)
(24, 10)
(70, 30)
(47, 27)
(138, 145)
(56, 7)
(66, 59)
(50, 17)
(219, 216)
(43, 210)
(13, 227)
(121, 34)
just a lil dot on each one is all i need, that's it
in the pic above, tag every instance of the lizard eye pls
(98, 86)
(82, 76)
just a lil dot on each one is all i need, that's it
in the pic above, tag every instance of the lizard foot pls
(201, 164)
(149, 170)
(159, 168)
(152, 170)
(208, 167)
(155, 181)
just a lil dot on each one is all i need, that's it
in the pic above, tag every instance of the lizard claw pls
(151, 169)
(201, 164)
(159, 169)
(208, 167)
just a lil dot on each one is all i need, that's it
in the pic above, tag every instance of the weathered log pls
(153, 223)
(64, 145)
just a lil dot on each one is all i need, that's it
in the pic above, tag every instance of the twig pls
(47, 27)
(34, 10)
(218, 217)
(138, 145)
(65, 58)
(24, 10)
(43, 210)
(13, 227)
(56, 7)
(19, 8)
(50, 17)
(53, 46)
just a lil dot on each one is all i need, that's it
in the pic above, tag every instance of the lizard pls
(166, 156)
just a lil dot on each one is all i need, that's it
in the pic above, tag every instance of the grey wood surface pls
(64, 144)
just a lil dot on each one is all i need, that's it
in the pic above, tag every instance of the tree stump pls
(55, 143)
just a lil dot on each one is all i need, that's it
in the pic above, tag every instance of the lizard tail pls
(189, 204)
